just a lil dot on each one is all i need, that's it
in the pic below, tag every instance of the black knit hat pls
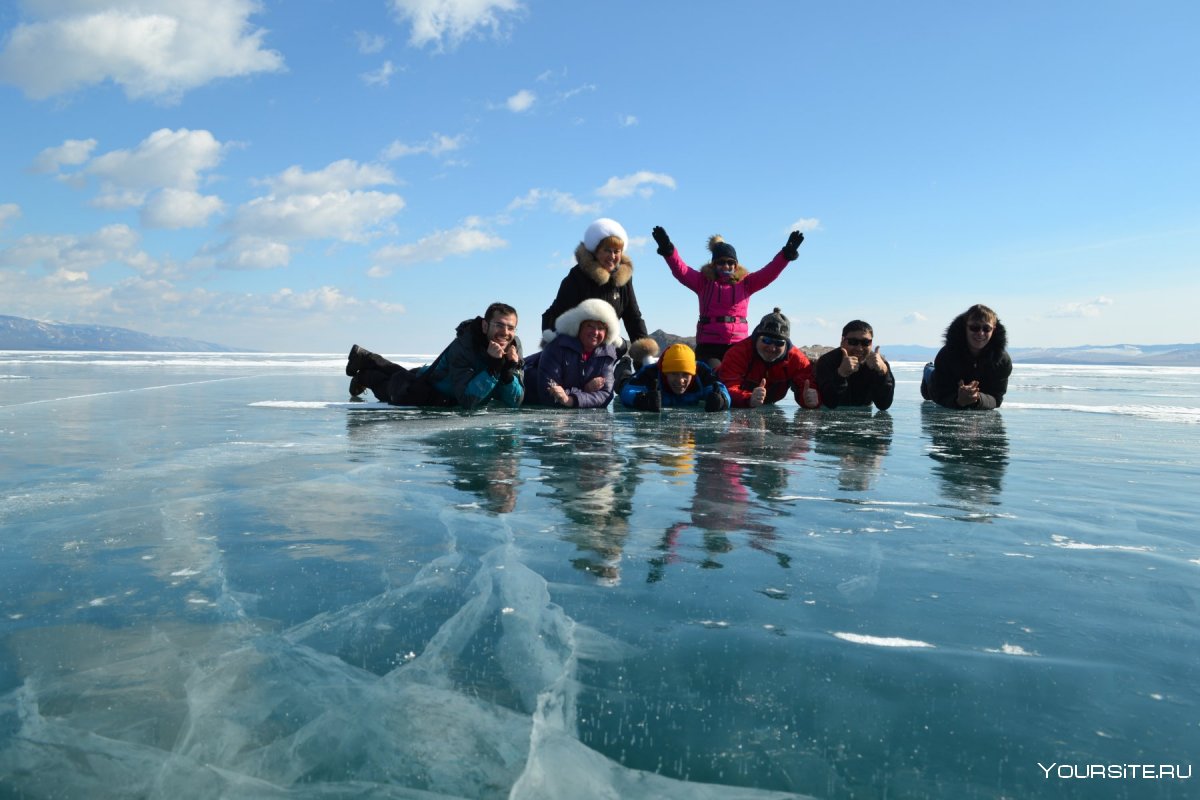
(774, 324)
(721, 248)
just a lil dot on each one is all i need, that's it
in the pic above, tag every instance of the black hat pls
(721, 248)
(774, 324)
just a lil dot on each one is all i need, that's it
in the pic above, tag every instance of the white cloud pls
(913, 318)
(1085, 308)
(437, 145)
(438, 246)
(256, 252)
(8, 211)
(569, 93)
(345, 174)
(806, 225)
(164, 159)
(179, 208)
(71, 152)
(448, 22)
(369, 43)
(67, 253)
(151, 48)
(348, 216)
(638, 183)
(521, 101)
(381, 76)
(561, 202)
(627, 120)
(330, 203)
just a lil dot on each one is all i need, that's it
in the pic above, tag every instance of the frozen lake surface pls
(217, 579)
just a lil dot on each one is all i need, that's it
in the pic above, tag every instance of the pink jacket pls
(718, 299)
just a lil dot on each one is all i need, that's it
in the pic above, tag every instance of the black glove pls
(665, 248)
(792, 248)
(510, 370)
(715, 402)
(650, 400)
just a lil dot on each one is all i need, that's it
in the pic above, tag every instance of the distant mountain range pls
(17, 333)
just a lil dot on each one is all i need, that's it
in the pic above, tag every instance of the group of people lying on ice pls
(584, 362)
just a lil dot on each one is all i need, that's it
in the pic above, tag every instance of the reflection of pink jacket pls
(722, 302)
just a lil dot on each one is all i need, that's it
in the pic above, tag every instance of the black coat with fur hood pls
(954, 363)
(588, 279)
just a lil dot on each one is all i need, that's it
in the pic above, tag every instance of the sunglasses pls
(857, 342)
(772, 341)
(725, 262)
(979, 328)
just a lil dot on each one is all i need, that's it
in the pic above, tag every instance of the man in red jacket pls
(760, 369)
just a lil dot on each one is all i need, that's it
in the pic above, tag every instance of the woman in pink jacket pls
(723, 287)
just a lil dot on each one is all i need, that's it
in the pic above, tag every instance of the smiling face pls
(979, 333)
(501, 328)
(770, 348)
(608, 253)
(592, 334)
(857, 343)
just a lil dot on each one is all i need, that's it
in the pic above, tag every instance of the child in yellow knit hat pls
(686, 382)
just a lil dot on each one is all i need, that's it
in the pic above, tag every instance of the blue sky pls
(301, 176)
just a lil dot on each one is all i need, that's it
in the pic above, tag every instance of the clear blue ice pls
(219, 579)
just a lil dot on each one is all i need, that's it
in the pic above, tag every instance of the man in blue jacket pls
(483, 364)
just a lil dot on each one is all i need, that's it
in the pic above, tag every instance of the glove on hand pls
(792, 248)
(650, 401)
(665, 248)
(715, 402)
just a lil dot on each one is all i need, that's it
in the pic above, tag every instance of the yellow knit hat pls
(678, 358)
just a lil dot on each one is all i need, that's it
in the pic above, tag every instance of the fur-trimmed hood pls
(955, 337)
(569, 321)
(586, 261)
(710, 272)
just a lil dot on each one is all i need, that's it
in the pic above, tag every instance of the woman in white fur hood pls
(575, 366)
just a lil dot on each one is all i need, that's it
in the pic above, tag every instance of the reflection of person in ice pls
(728, 464)
(484, 462)
(970, 453)
(859, 440)
(593, 485)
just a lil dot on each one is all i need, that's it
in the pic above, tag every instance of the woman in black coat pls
(972, 368)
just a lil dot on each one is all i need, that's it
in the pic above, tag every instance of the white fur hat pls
(600, 230)
(569, 321)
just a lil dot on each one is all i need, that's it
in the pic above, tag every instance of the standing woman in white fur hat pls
(603, 271)
(575, 366)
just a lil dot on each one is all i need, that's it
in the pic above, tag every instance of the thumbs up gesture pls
(875, 361)
(809, 396)
(758, 395)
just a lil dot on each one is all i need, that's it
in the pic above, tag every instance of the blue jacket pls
(466, 373)
(705, 384)
(562, 361)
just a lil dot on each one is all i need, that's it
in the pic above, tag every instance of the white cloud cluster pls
(562, 202)
(151, 48)
(72, 152)
(806, 225)
(521, 101)
(380, 77)
(369, 43)
(437, 145)
(446, 23)
(640, 183)
(438, 246)
(336, 203)
(69, 258)
(8, 211)
(1086, 308)
(914, 317)
(160, 176)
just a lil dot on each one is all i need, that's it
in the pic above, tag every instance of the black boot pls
(354, 361)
